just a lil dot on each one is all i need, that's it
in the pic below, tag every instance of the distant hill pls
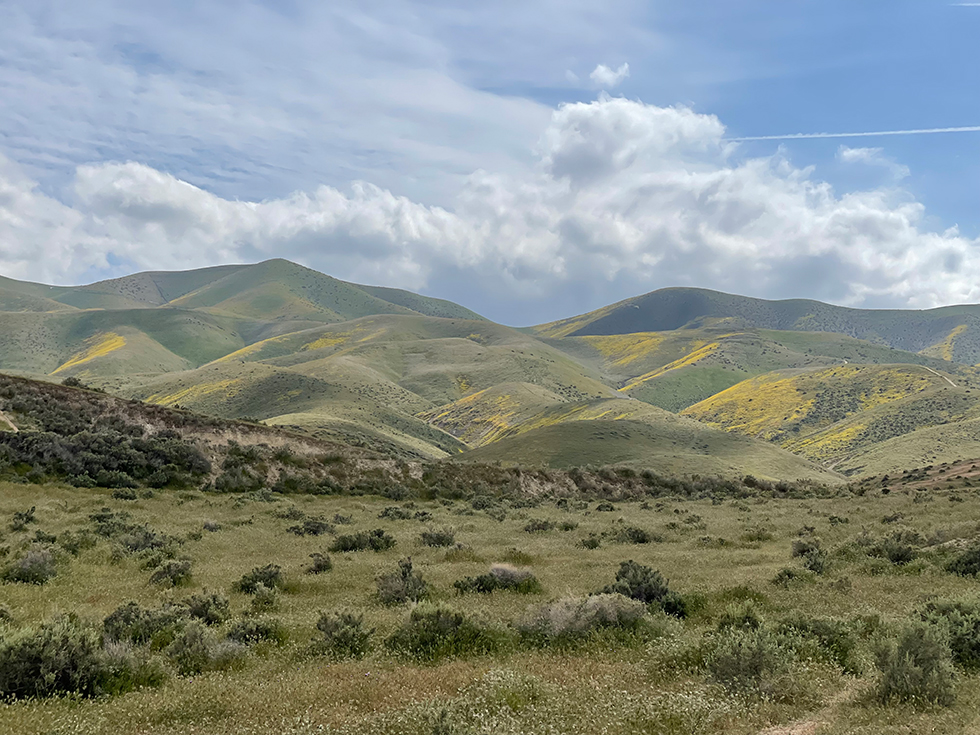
(775, 389)
(951, 333)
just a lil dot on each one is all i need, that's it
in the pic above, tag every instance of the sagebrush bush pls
(269, 576)
(376, 540)
(967, 564)
(198, 649)
(311, 527)
(574, 618)
(319, 563)
(157, 627)
(438, 537)
(66, 656)
(960, 619)
(434, 632)
(753, 661)
(836, 640)
(789, 577)
(255, 629)
(539, 525)
(812, 554)
(37, 565)
(173, 573)
(211, 608)
(264, 599)
(743, 615)
(634, 535)
(917, 668)
(501, 577)
(342, 635)
(402, 585)
(647, 585)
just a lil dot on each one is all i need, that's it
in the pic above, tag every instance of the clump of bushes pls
(402, 585)
(270, 576)
(211, 608)
(198, 649)
(342, 635)
(434, 632)
(812, 554)
(789, 577)
(319, 563)
(256, 629)
(311, 527)
(917, 668)
(634, 535)
(66, 656)
(172, 573)
(438, 537)
(753, 661)
(501, 577)
(960, 621)
(264, 599)
(574, 618)
(37, 565)
(376, 540)
(539, 525)
(639, 582)
(966, 564)
(592, 541)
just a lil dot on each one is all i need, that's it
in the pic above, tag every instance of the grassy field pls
(660, 676)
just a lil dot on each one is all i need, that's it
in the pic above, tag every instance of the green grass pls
(711, 552)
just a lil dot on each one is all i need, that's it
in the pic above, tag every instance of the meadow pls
(772, 614)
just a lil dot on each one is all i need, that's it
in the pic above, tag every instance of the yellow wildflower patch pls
(622, 349)
(97, 346)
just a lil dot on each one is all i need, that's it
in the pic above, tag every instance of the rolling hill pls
(775, 389)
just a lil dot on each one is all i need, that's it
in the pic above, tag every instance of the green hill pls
(951, 333)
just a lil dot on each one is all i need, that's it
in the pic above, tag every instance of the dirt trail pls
(824, 716)
(6, 424)
(941, 376)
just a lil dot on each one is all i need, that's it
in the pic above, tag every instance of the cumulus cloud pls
(604, 76)
(625, 197)
(872, 157)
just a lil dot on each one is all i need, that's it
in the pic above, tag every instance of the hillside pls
(951, 333)
(421, 379)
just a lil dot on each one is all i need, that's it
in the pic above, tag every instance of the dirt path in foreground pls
(813, 722)
(7, 424)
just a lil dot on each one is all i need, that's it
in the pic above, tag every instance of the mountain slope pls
(951, 332)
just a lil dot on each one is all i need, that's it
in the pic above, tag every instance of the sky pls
(531, 160)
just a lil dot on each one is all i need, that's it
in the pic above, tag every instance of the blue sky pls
(482, 154)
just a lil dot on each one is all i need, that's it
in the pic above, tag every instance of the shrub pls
(269, 576)
(917, 668)
(376, 540)
(401, 586)
(960, 620)
(131, 623)
(437, 538)
(172, 573)
(211, 608)
(790, 577)
(124, 493)
(212, 526)
(66, 656)
(895, 550)
(753, 661)
(319, 563)
(812, 554)
(254, 630)
(311, 527)
(539, 525)
(605, 507)
(836, 640)
(501, 577)
(741, 616)
(592, 541)
(574, 618)
(36, 566)
(264, 599)
(343, 635)
(23, 518)
(433, 632)
(197, 649)
(634, 535)
(395, 513)
(76, 542)
(966, 564)
(647, 585)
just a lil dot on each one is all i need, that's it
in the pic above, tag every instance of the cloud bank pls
(624, 197)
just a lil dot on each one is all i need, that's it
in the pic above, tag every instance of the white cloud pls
(604, 76)
(625, 197)
(872, 157)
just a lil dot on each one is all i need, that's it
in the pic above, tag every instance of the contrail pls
(801, 136)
